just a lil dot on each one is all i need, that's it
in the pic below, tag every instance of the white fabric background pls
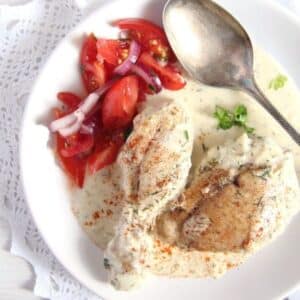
(29, 31)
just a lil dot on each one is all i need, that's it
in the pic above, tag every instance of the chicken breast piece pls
(153, 166)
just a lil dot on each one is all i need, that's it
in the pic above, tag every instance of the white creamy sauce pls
(202, 100)
(97, 205)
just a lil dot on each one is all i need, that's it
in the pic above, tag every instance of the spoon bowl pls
(215, 49)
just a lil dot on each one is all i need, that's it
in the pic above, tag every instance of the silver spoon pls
(215, 49)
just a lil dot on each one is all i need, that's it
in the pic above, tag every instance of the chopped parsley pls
(186, 134)
(278, 82)
(265, 173)
(238, 117)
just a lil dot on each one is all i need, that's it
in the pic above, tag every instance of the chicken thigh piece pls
(242, 196)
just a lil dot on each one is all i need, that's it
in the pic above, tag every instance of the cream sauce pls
(202, 100)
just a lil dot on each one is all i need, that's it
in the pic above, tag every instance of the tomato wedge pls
(170, 77)
(112, 51)
(69, 99)
(81, 144)
(141, 26)
(149, 35)
(93, 72)
(119, 104)
(73, 166)
(103, 157)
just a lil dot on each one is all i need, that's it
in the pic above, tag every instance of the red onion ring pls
(147, 75)
(72, 123)
(134, 53)
(85, 129)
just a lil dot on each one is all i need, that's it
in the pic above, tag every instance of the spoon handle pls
(253, 90)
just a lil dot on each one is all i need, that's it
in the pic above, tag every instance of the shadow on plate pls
(93, 259)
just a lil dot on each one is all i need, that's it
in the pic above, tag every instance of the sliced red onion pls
(72, 123)
(65, 121)
(124, 34)
(106, 86)
(148, 75)
(134, 53)
(88, 104)
(85, 129)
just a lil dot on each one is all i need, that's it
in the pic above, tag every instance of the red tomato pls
(149, 35)
(170, 78)
(82, 144)
(69, 99)
(142, 26)
(119, 104)
(143, 90)
(103, 156)
(112, 51)
(57, 113)
(92, 71)
(74, 166)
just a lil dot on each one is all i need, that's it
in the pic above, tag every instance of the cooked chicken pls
(153, 167)
(241, 197)
(216, 212)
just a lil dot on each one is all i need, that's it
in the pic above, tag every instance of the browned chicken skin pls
(215, 212)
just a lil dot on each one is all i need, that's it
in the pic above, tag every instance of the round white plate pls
(271, 273)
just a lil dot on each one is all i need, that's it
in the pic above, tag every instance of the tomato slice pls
(143, 90)
(74, 166)
(103, 157)
(142, 26)
(170, 77)
(69, 99)
(112, 51)
(149, 35)
(93, 72)
(119, 104)
(81, 144)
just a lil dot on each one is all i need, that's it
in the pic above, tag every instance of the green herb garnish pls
(186, 134)
(278, 82)
(265, 174)
(238, 117)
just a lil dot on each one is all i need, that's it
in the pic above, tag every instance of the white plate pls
(271, 273)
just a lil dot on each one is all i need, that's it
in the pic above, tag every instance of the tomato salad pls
(117, 74)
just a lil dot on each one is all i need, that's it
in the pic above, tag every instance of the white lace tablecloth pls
(29, 31)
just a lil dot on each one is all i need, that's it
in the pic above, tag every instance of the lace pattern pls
(29, 31)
